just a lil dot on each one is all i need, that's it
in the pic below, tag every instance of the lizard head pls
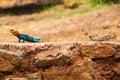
(14, 32)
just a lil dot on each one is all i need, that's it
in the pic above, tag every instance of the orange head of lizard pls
(14, 32)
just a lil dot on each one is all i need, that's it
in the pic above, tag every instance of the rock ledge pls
(60, 61)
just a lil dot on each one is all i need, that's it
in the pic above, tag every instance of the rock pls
(60, 61)
(82, 71)
(8, 62)
(56, 73)
(116, 77)
(2, 76)
(2, 51)
(108, 67)
(97, 50)
(5, 65)
(21, 78)
(52, 57)
(117, 69)
(86, 71)
(117, 56)
(17, 78)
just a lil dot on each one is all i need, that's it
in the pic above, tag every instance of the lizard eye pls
(11, 30)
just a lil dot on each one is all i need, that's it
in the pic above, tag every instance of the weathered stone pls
(60, 61)
(17, 78)
(117, 69)
(86, 71)
(116, 77)
(52, 57)
(97, 50)
(2, 76)
(8, 62)
(57, 73)
(108, 67)
(117, 56)
(82, 71)
(5, 65)
(22, 78)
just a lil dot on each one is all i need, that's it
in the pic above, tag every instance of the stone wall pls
(60, 61)
(13, 3)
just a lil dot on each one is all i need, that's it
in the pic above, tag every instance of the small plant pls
(103, 1)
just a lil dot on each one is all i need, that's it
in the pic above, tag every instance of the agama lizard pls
(105, 37)
(24, 37)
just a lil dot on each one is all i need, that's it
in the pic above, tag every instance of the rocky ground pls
(74, 28)
(60, 61)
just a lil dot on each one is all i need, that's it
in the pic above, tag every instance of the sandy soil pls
(74, 28)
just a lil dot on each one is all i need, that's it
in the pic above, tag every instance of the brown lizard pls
(106, 37)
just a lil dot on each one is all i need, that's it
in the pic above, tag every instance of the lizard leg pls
(19, 40)
(24, 40)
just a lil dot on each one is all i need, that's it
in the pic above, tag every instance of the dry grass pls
(75, 28)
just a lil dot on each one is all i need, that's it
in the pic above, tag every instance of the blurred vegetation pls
(103, 1)
(60, 9)
(73, 7)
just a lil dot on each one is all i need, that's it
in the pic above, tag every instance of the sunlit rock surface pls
(60, 61)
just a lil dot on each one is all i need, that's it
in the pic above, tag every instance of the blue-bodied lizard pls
(24, 37)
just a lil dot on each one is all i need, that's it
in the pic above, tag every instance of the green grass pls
(57, 12)
(103, 1)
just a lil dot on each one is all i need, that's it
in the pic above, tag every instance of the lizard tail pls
(36, 39)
